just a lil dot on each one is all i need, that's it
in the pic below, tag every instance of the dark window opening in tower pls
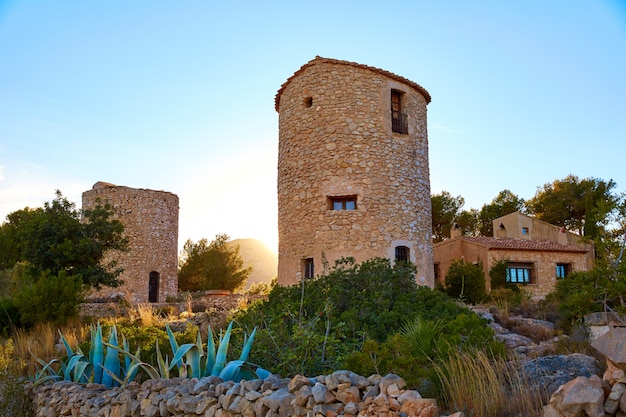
(399, 123)
(343, 203)
(308, 102)
(153, 287)
(403, 254)
(308, 268)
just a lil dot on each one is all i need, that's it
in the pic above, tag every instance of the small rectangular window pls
(343, 203)
(519, 273)
(309, 268)
(562, 270)
(398, 116)
(524, 230)
(403, 254)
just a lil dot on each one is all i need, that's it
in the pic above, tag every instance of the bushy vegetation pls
(212, 266)
(465, 282)
(601, 289)
(50, 256)
(13, 400)
(369, 318)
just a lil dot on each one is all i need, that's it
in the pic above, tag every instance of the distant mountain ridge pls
(263, 260)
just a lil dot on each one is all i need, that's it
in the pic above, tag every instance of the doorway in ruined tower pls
(153, 287)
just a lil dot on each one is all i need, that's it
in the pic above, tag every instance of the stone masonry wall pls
(336, 139)
(150, 221)
(544, 272)
(341, 393)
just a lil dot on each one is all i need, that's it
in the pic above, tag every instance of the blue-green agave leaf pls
(180, 353)
(68, 348)
(111, 365)
(70, 367)
(238, 370)
(164, 367)
(80, 372)
(210, 353)
(220, 357)
(245, 352)
(173, 345)
(96, 353)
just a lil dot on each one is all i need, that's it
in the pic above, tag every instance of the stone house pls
(150, 220)
(537, 253)
(353, 173)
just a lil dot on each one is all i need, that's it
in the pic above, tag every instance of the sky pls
(179, 95)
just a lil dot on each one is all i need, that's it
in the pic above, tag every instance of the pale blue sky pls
(179, 95)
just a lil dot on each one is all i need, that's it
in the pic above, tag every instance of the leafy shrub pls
(13, 400)
(466, 282)
(353, 315)
(421, 344)
(585, 292)
(51, 298)
(308, 328)
(9, 316)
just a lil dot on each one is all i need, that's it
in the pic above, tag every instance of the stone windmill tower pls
(150, 220)
(353, 175)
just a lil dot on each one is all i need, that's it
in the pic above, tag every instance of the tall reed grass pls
(481, 386)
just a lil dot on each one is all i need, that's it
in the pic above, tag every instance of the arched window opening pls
(403, 254)
(153, 287)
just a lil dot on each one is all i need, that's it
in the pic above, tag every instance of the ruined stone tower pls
(150, 220)
(353, 175)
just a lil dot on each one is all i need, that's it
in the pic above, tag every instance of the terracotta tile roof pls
(523, 244)
(319, 59)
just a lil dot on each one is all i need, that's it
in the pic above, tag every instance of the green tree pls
(465, 281)
(584, 206)
(505, 203)
(51, 255)
(445, 210)
(209, 266)
(58, 237)
(469, 222)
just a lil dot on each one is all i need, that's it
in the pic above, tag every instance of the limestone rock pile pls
(593, 396)
(342, 393)
(590, 396)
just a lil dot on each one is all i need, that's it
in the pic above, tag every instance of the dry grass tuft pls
(43, 342)
(536, 333)
(481, 386)
(147, 315)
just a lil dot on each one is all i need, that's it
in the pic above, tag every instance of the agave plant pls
(104, 366)
(101, 366)
(192, 361)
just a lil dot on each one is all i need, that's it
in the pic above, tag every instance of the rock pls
(423, 407)
(279, 401)
(390, 379)
(604, 319)
(514, 340)
(611, 405)
(612, 344)
(321, 394)
(349, 394)
(409, 395)
(550, 372)
(549, 411)
(581, 394)
(302, 395)
(613, 374)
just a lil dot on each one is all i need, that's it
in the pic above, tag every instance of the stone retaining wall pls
(341, 393)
